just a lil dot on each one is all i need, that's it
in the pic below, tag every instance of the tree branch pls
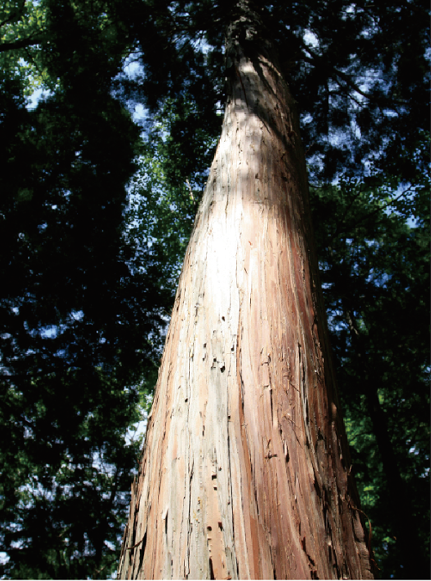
(379, 209)
(23, 43)
(385, 101)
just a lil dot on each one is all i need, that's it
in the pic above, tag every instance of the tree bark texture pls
(245, 472)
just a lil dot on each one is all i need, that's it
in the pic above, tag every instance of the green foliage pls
(68, 477)
(78, 303)
(22, 24)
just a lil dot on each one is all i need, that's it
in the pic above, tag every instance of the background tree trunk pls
(406, 527)
(245, 472)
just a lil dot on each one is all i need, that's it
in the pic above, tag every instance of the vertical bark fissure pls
(189, 525)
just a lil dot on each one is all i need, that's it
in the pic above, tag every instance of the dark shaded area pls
(78, 309)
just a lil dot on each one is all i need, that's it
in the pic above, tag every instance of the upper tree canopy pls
(358, 71)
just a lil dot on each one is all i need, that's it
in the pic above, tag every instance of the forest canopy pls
(96, 208)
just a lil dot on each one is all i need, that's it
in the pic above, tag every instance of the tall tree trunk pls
(245, 472)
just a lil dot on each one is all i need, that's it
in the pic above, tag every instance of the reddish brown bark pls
(245, 472)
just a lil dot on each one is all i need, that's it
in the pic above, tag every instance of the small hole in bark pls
(187, 399)
(220, 525)
(223, 319)
(209, 528)
(222, 368)
(213, 476)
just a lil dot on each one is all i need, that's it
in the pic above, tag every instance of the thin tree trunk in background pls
(405, 526)
(245, 472)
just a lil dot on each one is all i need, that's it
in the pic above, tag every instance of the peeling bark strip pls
(245, 470)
